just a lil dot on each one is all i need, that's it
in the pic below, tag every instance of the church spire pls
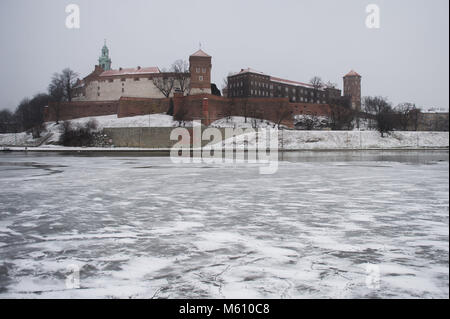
(104, 61)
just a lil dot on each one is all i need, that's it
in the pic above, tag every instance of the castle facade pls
(251, 83)
(107, 84)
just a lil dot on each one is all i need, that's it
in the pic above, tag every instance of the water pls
(140, 226)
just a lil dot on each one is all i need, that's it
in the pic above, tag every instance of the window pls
(122, 79)
(197, 70)
(123, 90)
(136, 79)
(203, 70)
(111, 81)
(200, 78)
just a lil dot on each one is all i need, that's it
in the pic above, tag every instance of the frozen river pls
(326, 225)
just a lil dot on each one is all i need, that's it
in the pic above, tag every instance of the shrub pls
(80, 135)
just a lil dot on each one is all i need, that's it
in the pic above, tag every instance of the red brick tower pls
(200, 69)
(352, 88)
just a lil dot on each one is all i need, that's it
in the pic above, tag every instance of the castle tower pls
(200, 69)
(352, 88)
(104, 61)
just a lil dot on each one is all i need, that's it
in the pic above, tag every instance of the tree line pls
(29, 114)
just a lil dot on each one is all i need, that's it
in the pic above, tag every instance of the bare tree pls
(415, 118)
(383, 112)
(56, 92)
(228, 110)
(181, 116)
(6, 121)
(341, 118)
(245, 109)
(253, 112)
(181, 69)
(69, 79)
(331, 85)
(316, 83)
(405, 114)
(165, 84)
(281, 113)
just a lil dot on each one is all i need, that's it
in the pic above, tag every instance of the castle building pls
(107, 84)
(252, 83)
(200, 69)
(352, 88)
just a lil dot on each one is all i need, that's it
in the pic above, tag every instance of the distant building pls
(352, 89)
(107, 84)
(200, 69)
(251, 83)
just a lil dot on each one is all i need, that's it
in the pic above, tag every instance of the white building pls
(106, 84)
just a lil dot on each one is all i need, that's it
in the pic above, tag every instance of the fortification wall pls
(206, 107)
(72, 110)
(130, 106)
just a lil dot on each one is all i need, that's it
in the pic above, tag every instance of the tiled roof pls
(200, 53)
(131, 71)
(352, 73)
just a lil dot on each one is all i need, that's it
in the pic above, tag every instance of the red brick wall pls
(73, 110)
(272, 109)
(130, 106)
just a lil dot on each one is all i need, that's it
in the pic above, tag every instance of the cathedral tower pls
(104, 60)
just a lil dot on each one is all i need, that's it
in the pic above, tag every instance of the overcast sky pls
(407, 59)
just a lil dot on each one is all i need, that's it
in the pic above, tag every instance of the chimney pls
(138, 67)
(120, 69)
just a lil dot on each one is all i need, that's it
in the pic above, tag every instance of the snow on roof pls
(435, 110)
(132, 71)
(275, 79)
(249, 70)
(201, 53)
(352, 73)
(295, 83)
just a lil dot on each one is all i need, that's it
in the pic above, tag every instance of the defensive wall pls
(205, 107)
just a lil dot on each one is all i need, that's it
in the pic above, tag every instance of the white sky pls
(407, 59)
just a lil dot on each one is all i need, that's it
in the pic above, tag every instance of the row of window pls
(236, 93)
(198, 70)
(279, 88)
(286, 90)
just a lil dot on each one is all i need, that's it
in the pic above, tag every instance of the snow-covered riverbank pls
(288, 140)
(342, 140)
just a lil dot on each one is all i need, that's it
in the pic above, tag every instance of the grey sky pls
(407, 59)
